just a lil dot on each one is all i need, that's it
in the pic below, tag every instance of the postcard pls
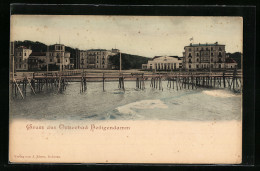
(125, 89)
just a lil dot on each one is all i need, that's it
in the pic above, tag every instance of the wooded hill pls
(128, 61)
(237, 56)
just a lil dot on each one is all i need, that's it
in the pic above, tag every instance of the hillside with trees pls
(237, 56)
(41, 47)
(128, 61)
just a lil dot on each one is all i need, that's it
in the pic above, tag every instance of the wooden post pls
(192, 82)
(224, 80)
(31, 86)
(123, 84)
(120, 62)
(18, 88)
(177, 79)
(103, 81)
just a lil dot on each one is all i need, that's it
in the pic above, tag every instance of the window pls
(207, 48)
(211, 65)
(58, 60)
(197, 59)
(197, 66)
(189, 66)
(219, 65)
(211, 48)
(219, 54)
(190, 55)
(189, 60)
(174, 65)
(20, 60)
(212, 54)
(24, 54)
(189, 49)
(198, 54)
(97, 62)
(197, 49)
(50, 60)
(24, 65)
(219, 48)
(211, 59)
(231, 66)
(66, 60)
(20, 66)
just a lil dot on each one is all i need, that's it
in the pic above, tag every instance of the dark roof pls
(207, 44)
(230, 60)
(166, 56)
(22, 47)
(38, 54)
(97, 50)
(58, 44)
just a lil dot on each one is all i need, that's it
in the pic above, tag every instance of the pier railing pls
(57, 81)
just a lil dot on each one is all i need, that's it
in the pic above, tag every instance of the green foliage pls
(237, 56)
(35, 46)
(128, 61)
(41, 47)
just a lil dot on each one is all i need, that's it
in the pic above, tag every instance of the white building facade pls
(164, 63)
(96, 58)
(204, 56)
(59, 57)
(21, 56)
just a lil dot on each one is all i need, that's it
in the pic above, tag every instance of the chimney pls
(216, 43)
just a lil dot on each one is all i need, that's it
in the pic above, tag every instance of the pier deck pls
(178, 80)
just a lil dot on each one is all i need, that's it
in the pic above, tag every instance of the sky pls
(139, 35)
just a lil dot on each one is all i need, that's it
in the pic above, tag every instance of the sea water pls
(199, 104)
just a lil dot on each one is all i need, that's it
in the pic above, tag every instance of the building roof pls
(38, 54)
(97, 50)
(165, 56)
(230, 60)
(206, 44)
(22, 47)
(59, 44)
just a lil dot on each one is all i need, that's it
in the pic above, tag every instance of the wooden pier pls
(58, 81)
